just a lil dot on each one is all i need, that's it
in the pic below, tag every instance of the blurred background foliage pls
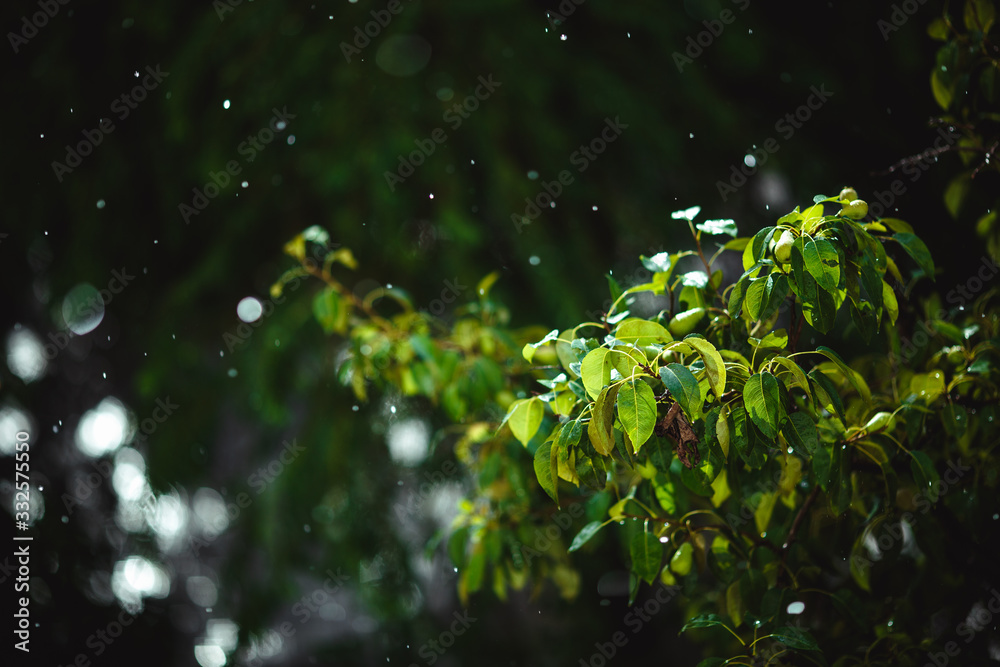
(331, 508)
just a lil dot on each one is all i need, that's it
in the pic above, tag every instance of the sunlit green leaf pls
(524, 418)
(637, 411)
(763, 402)
(602, 420)
(683, 386)
(596, 371)
(718, 227)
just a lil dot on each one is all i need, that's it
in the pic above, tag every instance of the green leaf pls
(754, 251)
(663, 488)
(614, 288)
(317, 234)
(795, 377)
(801, 433)
(722, 430)
(640, 332)
(684, 388)
(979, 15)
(473, 574)
(821, 261)
(737, 245)
(763, 402)
(596, 371)
(942, 90)
(602, 421)
(826, 393)
(569, 434)
(776, 290)
(330, 311)
(860, 564)
(713, 662)
(803, 284)
(955, 419)
(647, 554)
(756, 297)
(697, 479)
(938, 29)
(529, 348)
(765, 508)
(697, 279)
(916, 249)
(637, 411)
(737, 296)
(764, 296)
(544, 470)
(927, 386)
(924, 472)
(795, 638)
(852, 376)
(658, 263)
(715, 367)
(627, 359)
(718, 227)
(585, 534)
(524, 417)
(777, 340)
(457, 542)
(890, 304)
(840, 490)
(704, 621)
(686, 214)
(591, 471)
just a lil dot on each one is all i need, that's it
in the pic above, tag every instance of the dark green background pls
(163, 335)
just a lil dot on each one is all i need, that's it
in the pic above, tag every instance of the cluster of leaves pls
(703, 433)
(716, 446)
(966, 84)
